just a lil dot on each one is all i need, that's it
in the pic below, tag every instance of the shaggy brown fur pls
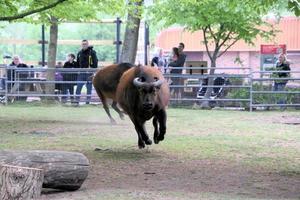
(133, 99)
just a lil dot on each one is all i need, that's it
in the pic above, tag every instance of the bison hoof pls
(113, 122)
(156, 141)
(122, 117)
(142, 145)
(161, 137)
(148, 142)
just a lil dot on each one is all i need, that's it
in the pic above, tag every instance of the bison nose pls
(148, 106)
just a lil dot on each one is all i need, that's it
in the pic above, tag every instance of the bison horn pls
(158, 83)
(139, 83)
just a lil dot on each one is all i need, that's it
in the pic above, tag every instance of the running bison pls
(106, 81)
(143, 93)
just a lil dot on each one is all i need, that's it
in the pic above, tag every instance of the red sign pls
(272, 49)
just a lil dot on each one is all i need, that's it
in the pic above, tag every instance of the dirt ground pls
(125, 172)
(155, 177)
(160, 175)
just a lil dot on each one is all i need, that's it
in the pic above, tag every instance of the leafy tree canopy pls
(223, 22)
(18, 9)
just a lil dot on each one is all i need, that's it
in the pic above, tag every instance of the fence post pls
(251, 89)
(118, 41)
(6, 86)
(146, 43)
(43, 45)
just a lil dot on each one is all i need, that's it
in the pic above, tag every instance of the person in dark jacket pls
(279, 85)
(14, 75)
(69, 76)
(86, 58)
(178, 60)
(16, 63)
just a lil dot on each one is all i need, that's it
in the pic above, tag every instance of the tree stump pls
(20, 183)
(62, 170)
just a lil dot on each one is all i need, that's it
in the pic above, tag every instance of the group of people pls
(86, 58)
(171, 65)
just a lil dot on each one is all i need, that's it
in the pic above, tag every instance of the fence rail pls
(238, 88)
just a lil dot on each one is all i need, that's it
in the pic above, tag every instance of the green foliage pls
(223, 22)
(294, 6)
(243, 93)
(78, 10)
(13, 10)
(67, 31)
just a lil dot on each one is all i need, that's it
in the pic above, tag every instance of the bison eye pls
(142, 79)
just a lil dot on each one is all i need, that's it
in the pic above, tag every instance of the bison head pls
(147, 91)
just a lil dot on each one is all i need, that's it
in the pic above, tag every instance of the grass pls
(251, 139)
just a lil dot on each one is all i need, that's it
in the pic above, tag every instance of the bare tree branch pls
(226, 38)
(236, 39)
(206, 43)
(24, 14)
(211, 32)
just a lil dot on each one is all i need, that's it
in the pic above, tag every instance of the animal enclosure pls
(205, 154)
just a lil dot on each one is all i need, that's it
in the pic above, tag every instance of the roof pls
(289, 28)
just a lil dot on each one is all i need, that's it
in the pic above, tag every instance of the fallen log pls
(62, 170)
(20, 182)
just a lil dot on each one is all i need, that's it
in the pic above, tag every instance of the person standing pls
(159, 61)
(178, 60)
(86, 58)
(14, 75)
(282, 65)
(68, 76)
(17, 64)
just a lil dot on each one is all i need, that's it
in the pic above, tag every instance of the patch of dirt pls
(290, 120)
(157, 173)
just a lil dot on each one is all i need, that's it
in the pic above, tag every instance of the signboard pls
(272, 49)
(269, 54)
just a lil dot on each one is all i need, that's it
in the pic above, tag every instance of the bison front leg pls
(156, 132)
(140, 128)
(143, 137)
(162, 120)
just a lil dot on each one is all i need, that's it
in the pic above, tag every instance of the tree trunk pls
(131, 37)
(20, 183)
(206, 104)
(62, 170)
(52, 49)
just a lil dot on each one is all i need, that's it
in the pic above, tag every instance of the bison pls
(106, 81)
(143, 93)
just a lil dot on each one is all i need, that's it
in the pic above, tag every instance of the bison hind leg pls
(105, 105)
(115, 107)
